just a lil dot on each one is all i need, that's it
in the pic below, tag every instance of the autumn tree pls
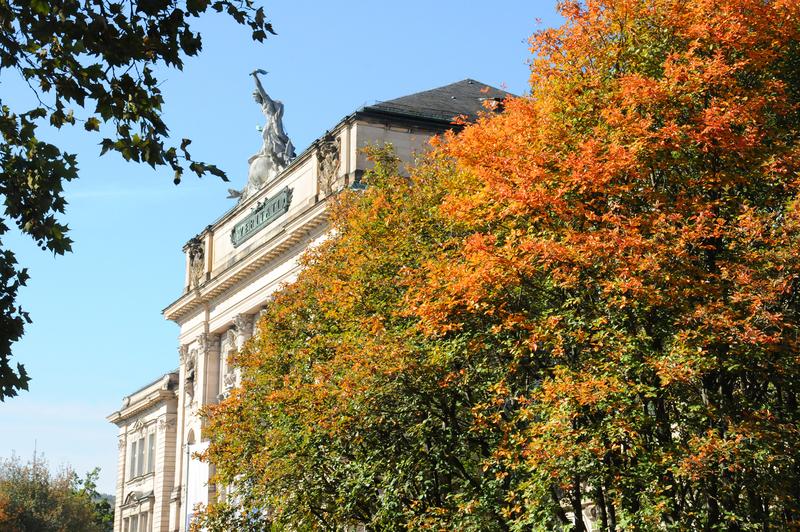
(35, 499)
(347, 414)
(88, 64)
(586, 305)
(646, 194)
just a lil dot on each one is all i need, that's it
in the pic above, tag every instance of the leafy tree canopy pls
(586, 304)
(32, 498)
(89, 63)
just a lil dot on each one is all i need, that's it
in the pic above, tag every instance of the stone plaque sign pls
(264, 214)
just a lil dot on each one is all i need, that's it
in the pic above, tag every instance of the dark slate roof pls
(443, 103)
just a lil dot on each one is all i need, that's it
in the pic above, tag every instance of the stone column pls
(243, 323)
(208, 368)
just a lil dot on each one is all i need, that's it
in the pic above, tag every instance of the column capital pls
(243, 324)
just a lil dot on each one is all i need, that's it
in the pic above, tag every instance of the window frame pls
(132, 462)
(151, 452)
(140, 459)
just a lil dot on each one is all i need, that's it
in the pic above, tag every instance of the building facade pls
(232, 269)
(146, 465)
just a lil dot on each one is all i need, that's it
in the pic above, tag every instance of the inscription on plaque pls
(264, 214)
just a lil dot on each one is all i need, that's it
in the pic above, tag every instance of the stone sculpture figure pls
(189, 379)
(276, 151)
(327, 164)
(196, 262)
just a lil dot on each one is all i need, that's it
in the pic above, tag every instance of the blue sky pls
(97, 332)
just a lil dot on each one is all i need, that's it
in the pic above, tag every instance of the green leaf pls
(92, 124)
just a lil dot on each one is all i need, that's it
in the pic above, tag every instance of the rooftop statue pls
(277, 151)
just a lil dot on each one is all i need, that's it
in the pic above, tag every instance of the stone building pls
(146, 466)
(232, 268)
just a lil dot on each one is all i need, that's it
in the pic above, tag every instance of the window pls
(132, 472)
(140, 459)
(126, 525)
(143, 522)
(151, 452)
(134, 524)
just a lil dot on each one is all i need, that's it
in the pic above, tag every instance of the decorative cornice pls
(291, 233)
(140, 405)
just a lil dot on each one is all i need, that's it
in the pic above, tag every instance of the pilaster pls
(122, 444)
(175, 498)
(165, 468)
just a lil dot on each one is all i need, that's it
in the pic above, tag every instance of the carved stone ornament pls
(183, 353)
(138, 426)
(196, 262)
(229, 341)
(121, 442)
(243, 323)
(327, 164)
(203, 342)
(230, 379)
(164, 424)
(189, 375)
(228, 346)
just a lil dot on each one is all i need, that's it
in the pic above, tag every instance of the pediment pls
(136, 497)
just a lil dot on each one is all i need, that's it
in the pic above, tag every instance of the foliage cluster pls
(88, 63)
(588, 302)
(34, 499)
